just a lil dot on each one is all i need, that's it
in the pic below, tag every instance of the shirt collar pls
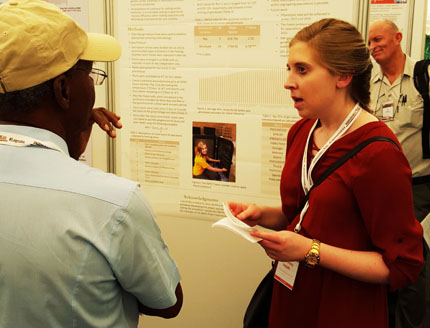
(376, 73)
(36, 133)
(409, 67)
(408, 70)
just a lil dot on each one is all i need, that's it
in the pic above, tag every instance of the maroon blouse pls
(364, 205)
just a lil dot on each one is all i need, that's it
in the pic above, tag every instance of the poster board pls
(210, 64)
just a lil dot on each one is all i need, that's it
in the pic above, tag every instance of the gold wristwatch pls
(312, 258)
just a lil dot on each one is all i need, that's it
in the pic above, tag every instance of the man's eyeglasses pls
(96, 74)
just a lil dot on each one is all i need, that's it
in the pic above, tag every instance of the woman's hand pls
(367, 266)
(249, 213)
(268, 217)
(283, 245)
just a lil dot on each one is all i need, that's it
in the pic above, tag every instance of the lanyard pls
(17, 140)
(307, 181)
(401, 99)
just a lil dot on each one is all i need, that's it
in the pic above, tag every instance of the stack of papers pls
(237, 226)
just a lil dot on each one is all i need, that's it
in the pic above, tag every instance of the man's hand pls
(167, 313)
(106, 120)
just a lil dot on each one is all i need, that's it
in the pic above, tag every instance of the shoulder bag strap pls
(339, 163)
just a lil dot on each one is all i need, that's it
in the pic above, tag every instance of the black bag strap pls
(421, 82)
(339, 163)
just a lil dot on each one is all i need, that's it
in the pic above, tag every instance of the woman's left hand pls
(367, 266)
(283, 245)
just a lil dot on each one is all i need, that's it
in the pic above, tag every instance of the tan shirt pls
(408, 113)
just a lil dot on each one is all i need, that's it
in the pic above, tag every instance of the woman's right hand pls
(249, 213)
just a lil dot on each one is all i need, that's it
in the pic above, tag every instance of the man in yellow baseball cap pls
(38, 42)
(78, 247)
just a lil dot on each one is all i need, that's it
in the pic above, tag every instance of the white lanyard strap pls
(17, 140)
(307, 181)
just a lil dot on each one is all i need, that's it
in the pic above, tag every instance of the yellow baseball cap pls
(38, 42)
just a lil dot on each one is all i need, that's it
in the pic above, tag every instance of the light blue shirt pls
(78, 247)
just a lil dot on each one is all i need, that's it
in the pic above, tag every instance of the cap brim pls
(101, 47)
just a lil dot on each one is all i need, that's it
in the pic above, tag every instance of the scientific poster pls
(212, 71)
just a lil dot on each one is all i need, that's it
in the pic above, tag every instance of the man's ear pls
(398, 37)
(343, 80)
(61, 88)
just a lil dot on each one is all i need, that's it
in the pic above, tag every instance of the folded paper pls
(232, 223)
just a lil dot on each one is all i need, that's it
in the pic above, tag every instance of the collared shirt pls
(78, 247)
(408, 113)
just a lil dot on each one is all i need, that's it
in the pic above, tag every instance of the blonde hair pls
(198, 149)
(340, 48)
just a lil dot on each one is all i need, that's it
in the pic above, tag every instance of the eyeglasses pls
(96, 74)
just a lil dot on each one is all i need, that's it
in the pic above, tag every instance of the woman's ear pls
(343, 80)
(61, 88)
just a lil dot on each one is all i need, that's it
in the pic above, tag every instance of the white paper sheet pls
(232, 223)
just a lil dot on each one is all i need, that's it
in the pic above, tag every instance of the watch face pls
(312, 259)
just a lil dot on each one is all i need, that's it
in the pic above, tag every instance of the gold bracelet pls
(312, 258)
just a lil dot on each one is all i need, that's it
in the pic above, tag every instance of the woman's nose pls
(289, 82)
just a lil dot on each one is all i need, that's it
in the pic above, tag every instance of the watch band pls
(312, 258)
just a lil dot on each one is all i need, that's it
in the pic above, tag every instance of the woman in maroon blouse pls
(357, 234)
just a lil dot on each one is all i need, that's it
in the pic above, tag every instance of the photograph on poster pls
(213, 155)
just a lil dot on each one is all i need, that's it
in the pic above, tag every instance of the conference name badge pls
(286, 273)
(387, 111)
